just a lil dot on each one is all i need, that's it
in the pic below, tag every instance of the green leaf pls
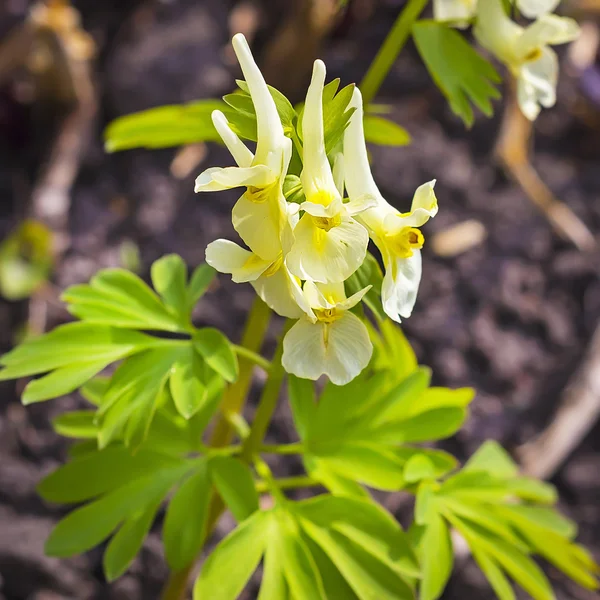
(426, 502)
(334, 584)
(127, 542)
(365, 523)
(369, 273)
(26, 260)
(400, 355)
(78, 424)
(518, 565)
(200, 281)
(231, 564)
(534, 490)
(461, 74)
(93, 390)
(169, 278)
(426, 427)
(541, 516)
(100, 472)
(163, 127)
(384, 132)
(494, 574)
(120, 298)
(439, 397)
(371, 464)
(216, 350)
(293, 190)
(336, 118)
(556, 548)
(186, 385)
(368, 578)
(89, 525)
(273, 585)
(441, 461)
(492, 458)
(402, 401)
(61, 381)
(302, 576)
(302, 402)
(484, 517)
(475, 486)
(67, 344)
(337, 484)
(437, 558)
(286, 111)
(184, 529)
(134, 390)
(235, 484)
(419, 467)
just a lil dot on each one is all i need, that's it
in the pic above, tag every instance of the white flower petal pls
(360, 204)
(537, 84)
(231, 177)
(217, 178)
(326, 256)
(454, 10)
(354, 299)
(358, 178)
(316, 173)
(304, 349)
(424, 206)
(315, 296)
(496, 32)
(278, 293)
(240, 152)
(349, 349)
(228, 257)
(206, 183)
(269, 127)
(260, 224)
(319, 210)
(340, 350)
(534, 8)
(548, 29)
(400, 284)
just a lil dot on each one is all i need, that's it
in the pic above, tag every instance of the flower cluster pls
(299, 255)
(524, 50)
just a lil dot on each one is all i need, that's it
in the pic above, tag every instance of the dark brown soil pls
(511, 317)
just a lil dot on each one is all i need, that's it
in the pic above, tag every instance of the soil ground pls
(511, 317)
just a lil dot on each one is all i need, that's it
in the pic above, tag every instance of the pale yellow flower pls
(459, 11)
(329, 339)
(396, 234)
(526, 51)
(260, 214)
(462, 11)
(329, 243)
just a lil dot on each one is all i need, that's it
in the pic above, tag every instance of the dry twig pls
(577, 414)
(512, 148)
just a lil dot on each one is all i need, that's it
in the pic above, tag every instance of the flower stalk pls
(390, 49)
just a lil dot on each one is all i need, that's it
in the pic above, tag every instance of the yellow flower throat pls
(259, 194)
(405, 241)
(327, 315)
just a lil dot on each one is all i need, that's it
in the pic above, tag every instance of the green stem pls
(254, 357)
(387, 54)
(234, 397)
(287, 483)
(272, 486)
(282, 448)
(266, 404)
(233, 401)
